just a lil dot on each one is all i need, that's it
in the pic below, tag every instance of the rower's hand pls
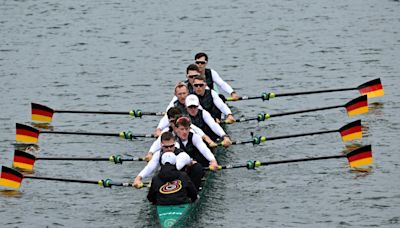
(148, 156)
(230, 119)
(218, 121)
(235, 96)
(137, 183)
(157, 132)
(213, 165)
(226, 142)
(212, 144)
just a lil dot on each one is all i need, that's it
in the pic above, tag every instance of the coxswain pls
(170, 186)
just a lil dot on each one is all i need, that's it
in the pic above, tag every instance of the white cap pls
(183, 159)
(168, 157)
(192, 100)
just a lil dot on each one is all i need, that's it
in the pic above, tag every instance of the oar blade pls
(23, 160)
(357, 106)
(41, 113)
(10, 178)
(373, 88)
(26, 134)
(351, 131)
(360, 157)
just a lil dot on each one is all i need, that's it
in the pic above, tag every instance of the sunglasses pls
(193, 106)
(168, 146)
(192, 76)
(198, 85)
(200, 62)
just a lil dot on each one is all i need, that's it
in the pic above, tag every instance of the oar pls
(28, 134)
(354, 107)
(26, 161)
(45, 114)
(11, 178)
(358, 157)
(348, 132)
(371, 88)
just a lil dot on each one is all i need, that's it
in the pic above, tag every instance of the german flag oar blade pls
(372, 88)
(351, 131)
(41, 113)
(357, 106)
(26, 134)
(360, 157)
(23, 160)
(10, 178)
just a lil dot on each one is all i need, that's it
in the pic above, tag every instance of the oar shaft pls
(254, 164)
(299, 135)
(105, 183)
(264, 138)
(62, 179)
(100, 134)
(80, 133)
(132, 113)
(71, 159)
(306, 110)
(315, 91)
(92, 112)
(87, 159)
(263, 116)
(303, 159)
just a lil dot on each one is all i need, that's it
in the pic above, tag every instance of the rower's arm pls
(197, 130)
(220, 104)
(151, 166)
(156, 146)
(163, 122)
(202, 147)
(216, 128)
(220, 82)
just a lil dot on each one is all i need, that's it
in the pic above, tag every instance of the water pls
(111, 55)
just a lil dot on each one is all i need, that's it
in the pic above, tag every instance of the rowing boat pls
(179, 215)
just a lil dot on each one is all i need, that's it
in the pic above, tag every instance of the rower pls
(181, 92)
(172, 114)
(195, 148)
(168, 145)
(203, 120)
(191, 72)
(170, 186)
(210, 100)
(201, 60)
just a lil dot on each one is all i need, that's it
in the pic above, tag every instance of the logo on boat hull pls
(171, 187)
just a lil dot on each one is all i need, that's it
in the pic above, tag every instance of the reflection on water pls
(10, 193)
